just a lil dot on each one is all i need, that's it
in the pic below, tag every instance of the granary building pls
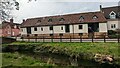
(70, 25)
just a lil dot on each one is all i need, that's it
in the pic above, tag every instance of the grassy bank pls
(16, 59)
(82, 50)
(75, 48)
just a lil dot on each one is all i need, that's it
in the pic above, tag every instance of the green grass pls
(0, 59)
(70, 49)
(16, 59)
(101, 48)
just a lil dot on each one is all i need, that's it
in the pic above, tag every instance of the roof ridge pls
(110, 7)
(63, 15)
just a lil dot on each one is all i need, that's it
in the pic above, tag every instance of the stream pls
(64, 60)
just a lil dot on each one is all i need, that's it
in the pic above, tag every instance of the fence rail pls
(103, 38)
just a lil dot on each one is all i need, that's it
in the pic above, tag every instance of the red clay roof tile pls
(68, 19)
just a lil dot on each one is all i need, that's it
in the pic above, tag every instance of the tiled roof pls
(67, 19)
(108, 10)
(5, 23)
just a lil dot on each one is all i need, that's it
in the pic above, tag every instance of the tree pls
(6, 6)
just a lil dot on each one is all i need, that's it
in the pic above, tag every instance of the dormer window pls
(81, 18)
(94, 17)
(112, 15)
(62, 19)
(39, 21)
(50, 20)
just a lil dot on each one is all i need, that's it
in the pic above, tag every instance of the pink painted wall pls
(8, 31)
(15, 32)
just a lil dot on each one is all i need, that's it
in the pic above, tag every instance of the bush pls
(111, 32)
(114, 36)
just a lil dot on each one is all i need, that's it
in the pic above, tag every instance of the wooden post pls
(43, 39)
(51, 38)
(28, 38)
(16, 37)
(22, 38)
(60, 38)
(80, 38)
(36, 39)
(92, 38)
(70, 38)
(118, 38)
(104, 39)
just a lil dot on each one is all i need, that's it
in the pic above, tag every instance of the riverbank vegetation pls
(84, 51)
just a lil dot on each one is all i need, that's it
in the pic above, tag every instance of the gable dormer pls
(61, 19)
(81, 18)
(50, 20)
(94, 17)
(112, 15)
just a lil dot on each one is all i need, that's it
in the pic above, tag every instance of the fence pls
(103, 38)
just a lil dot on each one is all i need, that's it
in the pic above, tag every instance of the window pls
(35, 28)
(13, 33)
(15, 26)
(62, 19)
(81, 18)
(51, 27)
(94, 17)
(61, 28)
(113, 26)
(80, 26)
(112, 15)
(41, 29)
(50, 20)
(9, 32)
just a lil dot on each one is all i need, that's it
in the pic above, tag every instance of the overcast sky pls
(57, 7)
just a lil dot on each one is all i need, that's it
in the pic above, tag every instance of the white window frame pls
(113, 26)
(112, 16)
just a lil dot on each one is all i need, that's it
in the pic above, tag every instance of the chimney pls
(23, 20)
(11, 20)
(100, 7)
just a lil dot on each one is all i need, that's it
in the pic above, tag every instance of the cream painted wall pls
(46, 30)
(102, 27)
(109, 23)
(57, 29)
(84, 30)
(23, 31)
(71, 28)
